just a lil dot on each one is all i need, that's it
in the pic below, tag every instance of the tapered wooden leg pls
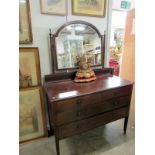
(125, 124)
(51, 130)
(57, 145)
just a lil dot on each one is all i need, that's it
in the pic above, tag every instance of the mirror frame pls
(54, 50)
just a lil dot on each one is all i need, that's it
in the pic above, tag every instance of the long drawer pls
(117, 92)
(90, 123)
(84, 101)
(81, 112)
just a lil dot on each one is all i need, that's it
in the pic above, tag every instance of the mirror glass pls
(74, 41)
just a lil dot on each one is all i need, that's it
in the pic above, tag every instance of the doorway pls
(117, 39)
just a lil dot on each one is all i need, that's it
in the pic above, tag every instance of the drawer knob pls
(78, 126)
(78, 113)
(115, 93)
(115, 103)
(79, 102)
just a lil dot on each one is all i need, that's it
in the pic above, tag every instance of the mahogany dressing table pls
(78, 107)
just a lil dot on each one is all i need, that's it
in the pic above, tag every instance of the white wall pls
(40, 30)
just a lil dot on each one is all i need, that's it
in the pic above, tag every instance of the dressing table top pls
(61, 90)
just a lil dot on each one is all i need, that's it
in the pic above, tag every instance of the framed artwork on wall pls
(29, 67)
(95, 8)
(54, 7)
(31, 114)
(25, 31)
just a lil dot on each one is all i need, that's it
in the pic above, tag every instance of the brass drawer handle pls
(116, 103)
(78, 113)
(115, 93)
(78, 126)
(79, 102)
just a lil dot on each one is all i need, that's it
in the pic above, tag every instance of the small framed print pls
(25, 30)
(95, 8)
(29, 67)
(54, 7)
(31, 114)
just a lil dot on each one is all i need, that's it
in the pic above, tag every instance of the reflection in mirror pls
(77, 40)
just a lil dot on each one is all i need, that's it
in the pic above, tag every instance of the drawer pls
(80, 102)
(118, 92)
(90, 123)
(91, 99)
(121, 101)
(91, 110)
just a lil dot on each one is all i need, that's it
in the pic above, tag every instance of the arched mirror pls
(74, 40)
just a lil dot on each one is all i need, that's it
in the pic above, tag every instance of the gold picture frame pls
(54, 7)
(29, 67)
(32, 122)
(25, 30)
(95, 8)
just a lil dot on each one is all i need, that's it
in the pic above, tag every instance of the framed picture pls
(54, 7)
(31, 114)
(25, 31)
(29, 67)
(89, 7)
